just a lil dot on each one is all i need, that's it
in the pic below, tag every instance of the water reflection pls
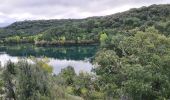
(61, 52)
(78, 65)
(5, 57)
(60, 57)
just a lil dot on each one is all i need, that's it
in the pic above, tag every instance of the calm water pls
(60, 57)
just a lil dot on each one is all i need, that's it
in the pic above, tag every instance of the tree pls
(25, 81)
(2, 92)
(33, 82)
(142, 72)
(68, 75)
(8, 78)
(62, 39)
(103, 38)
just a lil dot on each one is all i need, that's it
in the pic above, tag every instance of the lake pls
(60, 57)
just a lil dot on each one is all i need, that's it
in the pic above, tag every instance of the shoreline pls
(47, 43)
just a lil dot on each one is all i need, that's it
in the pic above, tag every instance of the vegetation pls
(87, 31)
(133, 62)
(25, 81)
(135, 67)
(35, 81)
(129, 67)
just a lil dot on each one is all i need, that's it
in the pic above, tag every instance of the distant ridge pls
(89, 28)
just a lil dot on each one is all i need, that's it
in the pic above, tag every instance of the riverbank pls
(55, 43)
(66, 43)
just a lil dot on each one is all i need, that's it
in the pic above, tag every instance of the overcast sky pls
(18, 10)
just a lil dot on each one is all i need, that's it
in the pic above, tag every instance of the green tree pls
(103, 38)
(142, 70)
(68, 75)
(25, 81)
(62, 39)
(33, 82)
(8, 78)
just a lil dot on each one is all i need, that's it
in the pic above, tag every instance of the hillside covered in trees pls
(133, 62)
(89, 30)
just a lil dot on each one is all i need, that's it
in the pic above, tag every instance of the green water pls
(60, 56)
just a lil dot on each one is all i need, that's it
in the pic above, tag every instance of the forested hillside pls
(88, 30)
(132, 63)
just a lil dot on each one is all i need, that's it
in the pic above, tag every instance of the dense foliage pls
(135, 67)
(133, 62)
(126, 67)
(34, 80)
(87, 30)
(26, 81)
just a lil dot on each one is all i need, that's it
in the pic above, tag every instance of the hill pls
(88, 30)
